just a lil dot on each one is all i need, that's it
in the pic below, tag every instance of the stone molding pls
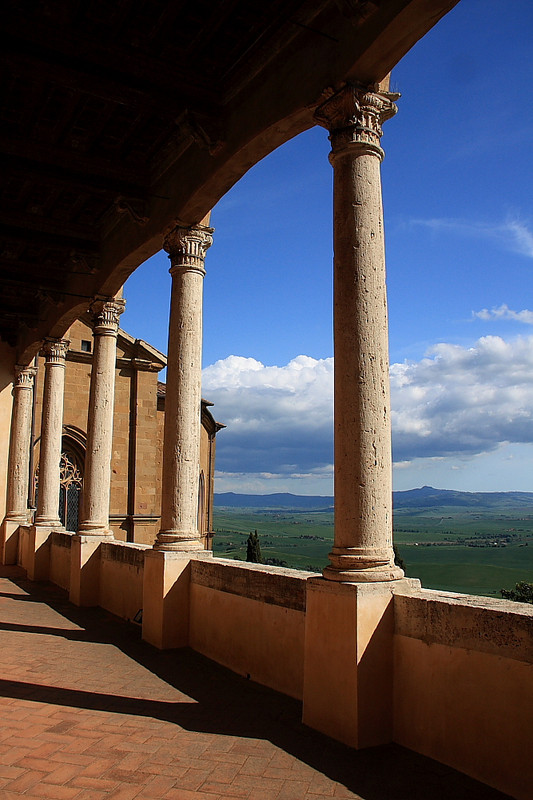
(258, 582)
(106, 315)
(354, 116)
(24, 377)
(187, 246)
(55, 351)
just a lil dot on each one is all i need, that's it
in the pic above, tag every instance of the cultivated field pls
(460, 550)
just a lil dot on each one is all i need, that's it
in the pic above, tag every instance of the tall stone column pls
(186, 248)
(54, 351)
(97, 478)
(362, 548)
(20, 444)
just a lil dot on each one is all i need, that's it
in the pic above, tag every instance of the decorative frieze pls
(354, 116)
(24, 377)
(106, 315)
(55, 351)
(187, 246)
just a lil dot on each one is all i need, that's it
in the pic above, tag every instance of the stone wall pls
(459, 688)
(250, 618)
(121, 578)
(463, 685)
(60, 547)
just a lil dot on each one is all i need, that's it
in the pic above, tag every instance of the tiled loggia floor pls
(88, 711)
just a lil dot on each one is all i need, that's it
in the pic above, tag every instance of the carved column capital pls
(187, 246)
(354, 116)
(55, 351)
(24, 377)
(106, 313)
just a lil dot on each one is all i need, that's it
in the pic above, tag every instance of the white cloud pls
(503, 312)
(511, 235)
(279, 419)
(455, 403)
(463, 401)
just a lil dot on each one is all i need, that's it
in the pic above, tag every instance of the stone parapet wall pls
(482, 624)
(266, 584)
(250, 618)
(23, 548)
(446, 675)
(121, 578)
(60, 549)
(463, 685)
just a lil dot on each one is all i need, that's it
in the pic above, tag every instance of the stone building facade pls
(137, 446)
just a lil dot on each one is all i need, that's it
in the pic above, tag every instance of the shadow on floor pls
(227, 704)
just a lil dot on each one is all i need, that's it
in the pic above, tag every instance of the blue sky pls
(457, 185)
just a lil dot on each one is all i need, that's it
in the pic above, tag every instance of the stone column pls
(54, 351)
(186, 248)
(362, 548)
(20, 444)
(97, 478)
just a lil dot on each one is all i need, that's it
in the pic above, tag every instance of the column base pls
(362, 565)
(52, 524)
(178, 542)
(9, 540)
(85, 569)
(348, 666)
(95, 529)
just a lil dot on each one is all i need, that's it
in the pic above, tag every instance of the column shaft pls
(20, 444)
(363, 481)
(181, 448)
(97, 477)
(55, 351)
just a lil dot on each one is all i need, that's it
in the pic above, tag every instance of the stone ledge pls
(126, 552)
(62, 539)
(499, 627)
(273, 585)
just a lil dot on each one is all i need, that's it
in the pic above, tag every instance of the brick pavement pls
(90, 712)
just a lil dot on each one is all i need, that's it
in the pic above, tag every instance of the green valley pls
(475, 550)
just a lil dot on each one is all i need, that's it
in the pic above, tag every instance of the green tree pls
(253, 549)
(522, 592)
(398, 560)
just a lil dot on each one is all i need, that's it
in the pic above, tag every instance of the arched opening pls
(70, 489)
(72, 466)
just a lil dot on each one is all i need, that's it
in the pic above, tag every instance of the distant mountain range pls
(426, 497)
(279, 500)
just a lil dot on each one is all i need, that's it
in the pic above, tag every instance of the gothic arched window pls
(71, 483)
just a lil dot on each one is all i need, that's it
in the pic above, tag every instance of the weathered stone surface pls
(363, 465)
(19, 444)
(94, 519)
(279, 587)
(181, 447)
(500, 627)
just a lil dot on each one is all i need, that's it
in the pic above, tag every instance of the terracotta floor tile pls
(25, 781)
(90, 712)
